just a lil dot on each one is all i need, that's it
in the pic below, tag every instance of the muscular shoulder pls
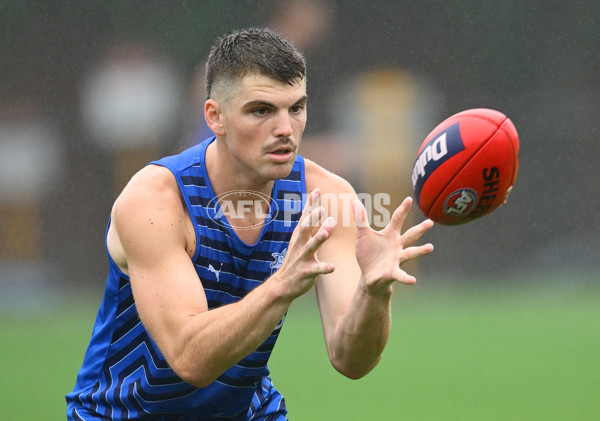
(150, 209)
(337, 195)
(326, 181)
(152, 187)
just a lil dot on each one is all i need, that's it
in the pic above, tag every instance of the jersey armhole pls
(186, 199)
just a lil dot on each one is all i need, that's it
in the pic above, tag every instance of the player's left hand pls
(381, 253)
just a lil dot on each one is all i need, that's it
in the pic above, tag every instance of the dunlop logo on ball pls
(437, 151)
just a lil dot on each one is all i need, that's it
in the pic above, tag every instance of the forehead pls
(254, 87)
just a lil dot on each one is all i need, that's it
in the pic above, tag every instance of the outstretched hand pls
(301, 265)
(381, 253)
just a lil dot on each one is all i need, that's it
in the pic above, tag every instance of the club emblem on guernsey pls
(276, 264)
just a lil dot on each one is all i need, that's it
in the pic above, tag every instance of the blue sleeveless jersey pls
(125, 376)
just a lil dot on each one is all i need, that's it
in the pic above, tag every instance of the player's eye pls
(297, 108)
(260, 111)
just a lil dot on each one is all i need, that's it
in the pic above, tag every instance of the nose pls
(283, 126)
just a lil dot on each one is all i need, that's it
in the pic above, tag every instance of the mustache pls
(281, 141)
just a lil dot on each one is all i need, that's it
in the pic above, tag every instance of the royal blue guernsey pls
(125, 376)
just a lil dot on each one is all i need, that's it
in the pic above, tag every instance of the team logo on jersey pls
(242, 209)
(437, 151)
(276, 264)
(461, 202)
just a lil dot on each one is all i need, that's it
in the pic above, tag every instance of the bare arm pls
(200, 345)
(355, 299)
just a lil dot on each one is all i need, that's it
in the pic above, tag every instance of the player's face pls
(263, 124)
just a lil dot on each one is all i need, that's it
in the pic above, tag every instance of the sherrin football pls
(466, 167)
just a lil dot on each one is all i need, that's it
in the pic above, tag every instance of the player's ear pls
(214, 117)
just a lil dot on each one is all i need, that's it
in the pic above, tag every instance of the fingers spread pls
(405, 278)
(311, 215)
(325, 268)
(313, 218)
(399, 214)
(415, 233)
(321, 236)
(414, 252)
(313, 201)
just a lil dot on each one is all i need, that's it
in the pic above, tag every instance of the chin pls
(281, 171)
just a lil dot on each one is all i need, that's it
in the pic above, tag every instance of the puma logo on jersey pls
(215, 271)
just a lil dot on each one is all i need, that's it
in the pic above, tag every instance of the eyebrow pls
(262, 103)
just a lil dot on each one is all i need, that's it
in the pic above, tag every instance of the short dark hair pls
(253, 50)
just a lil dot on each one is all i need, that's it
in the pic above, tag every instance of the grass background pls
(455, 353)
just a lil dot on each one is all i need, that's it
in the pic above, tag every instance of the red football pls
(466, 167)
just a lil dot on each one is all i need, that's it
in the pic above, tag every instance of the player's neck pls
(226, 177)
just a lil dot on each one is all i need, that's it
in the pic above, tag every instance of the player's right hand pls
(301, 264)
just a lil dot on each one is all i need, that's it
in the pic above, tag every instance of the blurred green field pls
(452, 355)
